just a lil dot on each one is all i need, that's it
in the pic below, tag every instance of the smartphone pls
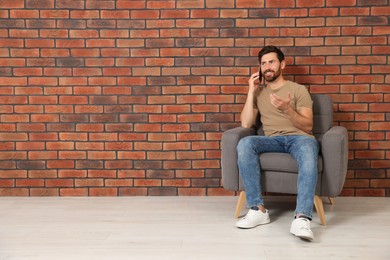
(260, 75)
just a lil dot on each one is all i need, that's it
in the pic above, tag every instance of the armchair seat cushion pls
(282, 162)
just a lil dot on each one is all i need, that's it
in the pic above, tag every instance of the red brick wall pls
(131, 97)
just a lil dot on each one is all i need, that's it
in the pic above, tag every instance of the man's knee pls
(244, 144)
(308, 145)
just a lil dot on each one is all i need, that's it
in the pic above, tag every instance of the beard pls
(272, 76)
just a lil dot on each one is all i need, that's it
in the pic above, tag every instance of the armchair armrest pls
(334, 149)
(230, 139)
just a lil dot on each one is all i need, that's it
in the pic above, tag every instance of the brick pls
(341, 60)
(279, 3)
(174, 14)
(84, 14)
(371, 60)
(73, 24)
(114, 34)
(294, 32)
(25, 53)
(55, 53)
(369, 79)
(329, 31)
(4, 14)
(191, 4)
(160, 137)
(381, 30)
(265, 32)
(220, 3)
(340, 21)
(371, 2)
(358, 31)
(89, 182)
(310, 22)
(162, 191)
(71, 4)
(124, 4)
(73, 192)
(58, 14)
(100, 4)
(177, 182)
(176, 128)
(118, 183)
(83, 34)
(11, 43)
(355, 69)
(102, 24)
(186, 164)
(69, 43)
(103, 192)
(340, 3)
(144, 14)
(263, 13)
(8, 4)
(354, 11)
(339, 40)
(51, 33)
(250, 4)
(380, 10)
(371, 40)
(43, 43)
(24, 14)
(165, 24)
(234, 14)
(133, 191)
(205, 182)
(20, 33)
(279, 42)
(370, 117)
(278, 22)
(147, 183)
(309, 3)
(41, 24)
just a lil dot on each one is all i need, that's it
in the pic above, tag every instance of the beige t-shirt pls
(274, 121)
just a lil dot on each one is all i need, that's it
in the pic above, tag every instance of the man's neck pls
(276, 83)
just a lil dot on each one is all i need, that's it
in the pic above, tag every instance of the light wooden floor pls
(185, 228)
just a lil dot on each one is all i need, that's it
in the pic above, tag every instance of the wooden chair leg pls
(331, 200)
(320, 209)
(240, 203)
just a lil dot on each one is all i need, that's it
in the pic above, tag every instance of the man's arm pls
(301, 119)
(249, 113)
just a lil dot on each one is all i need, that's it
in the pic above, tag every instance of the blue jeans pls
(302, 148)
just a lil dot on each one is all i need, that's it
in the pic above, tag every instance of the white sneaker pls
(253, 219)
(300, 227)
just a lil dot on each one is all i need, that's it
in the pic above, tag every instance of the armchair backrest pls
(322, 116)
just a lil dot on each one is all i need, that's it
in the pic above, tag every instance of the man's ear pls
(283, 64)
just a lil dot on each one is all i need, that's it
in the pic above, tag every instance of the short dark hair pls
(270, 48)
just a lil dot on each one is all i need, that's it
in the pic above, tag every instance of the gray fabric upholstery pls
(279, 170)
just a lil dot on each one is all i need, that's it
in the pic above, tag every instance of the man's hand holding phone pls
(253, 85)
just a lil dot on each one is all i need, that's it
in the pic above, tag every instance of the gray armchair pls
(280, 170)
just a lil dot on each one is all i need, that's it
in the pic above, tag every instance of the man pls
(287, 118)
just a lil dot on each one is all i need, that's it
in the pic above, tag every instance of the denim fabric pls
(302, 148)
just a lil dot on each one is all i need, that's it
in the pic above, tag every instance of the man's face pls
(271, 67)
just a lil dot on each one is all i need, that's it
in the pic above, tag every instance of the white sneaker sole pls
(307, 237)
(249, 227)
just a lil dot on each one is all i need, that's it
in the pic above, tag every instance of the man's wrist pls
(286, 110)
